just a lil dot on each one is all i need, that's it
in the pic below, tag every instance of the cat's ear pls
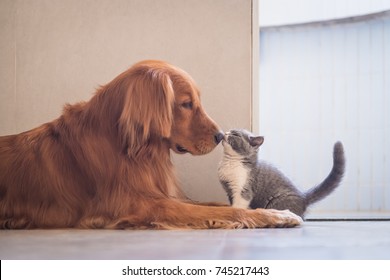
(256, 142)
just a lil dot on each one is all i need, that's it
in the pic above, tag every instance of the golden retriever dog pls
(106, 163)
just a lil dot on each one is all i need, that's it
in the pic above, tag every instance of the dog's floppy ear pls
(148, 108)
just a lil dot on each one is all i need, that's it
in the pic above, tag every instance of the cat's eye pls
(187, 105)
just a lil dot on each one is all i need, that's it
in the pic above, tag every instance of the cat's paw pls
(282, 218)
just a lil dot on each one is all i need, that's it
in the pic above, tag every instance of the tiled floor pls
(313, 240)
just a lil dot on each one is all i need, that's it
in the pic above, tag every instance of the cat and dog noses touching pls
(252, 183)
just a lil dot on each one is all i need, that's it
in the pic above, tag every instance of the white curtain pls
(320, 84)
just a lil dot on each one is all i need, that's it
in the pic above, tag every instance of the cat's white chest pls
(234, 172)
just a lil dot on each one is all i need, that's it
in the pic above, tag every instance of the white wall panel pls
(281, 12)
(320, 84)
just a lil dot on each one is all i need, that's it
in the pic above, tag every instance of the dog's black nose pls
(218, 137)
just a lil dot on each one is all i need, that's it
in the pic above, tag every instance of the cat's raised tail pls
(334, 178)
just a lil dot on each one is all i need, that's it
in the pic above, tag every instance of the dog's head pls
(162, 101)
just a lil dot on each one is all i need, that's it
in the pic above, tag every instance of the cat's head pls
(242, 143)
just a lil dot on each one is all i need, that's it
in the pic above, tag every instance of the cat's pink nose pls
(225, 137)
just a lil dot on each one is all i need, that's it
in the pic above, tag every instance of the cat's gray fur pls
(250, 183)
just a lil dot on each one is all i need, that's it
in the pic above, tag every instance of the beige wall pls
(54, 52)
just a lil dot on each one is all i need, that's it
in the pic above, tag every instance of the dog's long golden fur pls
(106, 163)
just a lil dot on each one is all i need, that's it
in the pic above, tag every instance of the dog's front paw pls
(286, 218)
(280, 218)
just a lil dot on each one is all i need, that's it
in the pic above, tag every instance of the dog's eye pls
(187, 105)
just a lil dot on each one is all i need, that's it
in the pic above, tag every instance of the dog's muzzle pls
(218, 137)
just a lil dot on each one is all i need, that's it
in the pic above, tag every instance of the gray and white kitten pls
(250, 183)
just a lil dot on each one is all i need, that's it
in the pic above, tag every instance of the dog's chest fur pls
(234, 176)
